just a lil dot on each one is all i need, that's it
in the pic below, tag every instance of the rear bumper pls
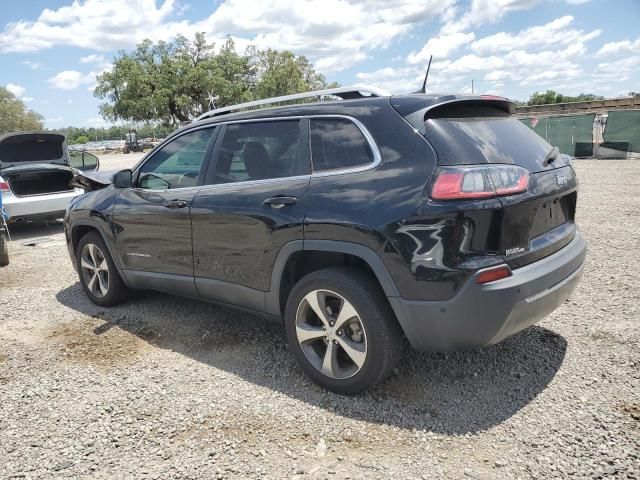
(38, 206)
(481, 315)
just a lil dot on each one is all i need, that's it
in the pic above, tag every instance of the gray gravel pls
(164, 387)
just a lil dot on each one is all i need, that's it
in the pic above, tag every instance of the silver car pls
(35, 171)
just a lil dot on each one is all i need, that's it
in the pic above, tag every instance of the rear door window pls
(337, 143)
(260, 151)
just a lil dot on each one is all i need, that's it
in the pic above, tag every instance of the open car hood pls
(90, 181)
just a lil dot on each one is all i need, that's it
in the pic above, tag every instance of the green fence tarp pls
(623, 130)
(572, 134)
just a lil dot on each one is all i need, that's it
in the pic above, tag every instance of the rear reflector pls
(479, 181)
(493, 274)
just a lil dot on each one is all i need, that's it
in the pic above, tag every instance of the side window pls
(178, 163)
(338, 143)
(84, 161)
(258, 151)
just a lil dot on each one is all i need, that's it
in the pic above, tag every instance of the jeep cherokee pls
(440, 218)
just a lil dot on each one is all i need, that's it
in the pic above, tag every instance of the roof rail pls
(354, 91)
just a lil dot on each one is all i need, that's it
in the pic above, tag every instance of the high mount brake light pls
(479, 181)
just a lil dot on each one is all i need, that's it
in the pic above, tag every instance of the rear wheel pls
(341, 330)
(98, 275)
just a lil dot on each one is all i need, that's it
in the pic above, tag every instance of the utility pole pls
(472, 86)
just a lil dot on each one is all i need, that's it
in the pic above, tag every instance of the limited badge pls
(561, 180)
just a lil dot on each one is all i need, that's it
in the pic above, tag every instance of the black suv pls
(354, 222)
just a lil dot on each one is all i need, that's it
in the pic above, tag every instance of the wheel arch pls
(311, 255)
(81, 227)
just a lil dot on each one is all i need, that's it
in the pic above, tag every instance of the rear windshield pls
(31, 149)
(485, 139)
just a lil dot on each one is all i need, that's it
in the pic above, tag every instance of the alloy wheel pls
(331, 334)
(95, 270)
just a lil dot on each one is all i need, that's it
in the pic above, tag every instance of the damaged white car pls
(36, 169)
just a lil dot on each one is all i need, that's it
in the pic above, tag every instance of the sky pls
(52, 50)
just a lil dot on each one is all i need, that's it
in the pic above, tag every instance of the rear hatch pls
(35, 163)
(481, 130)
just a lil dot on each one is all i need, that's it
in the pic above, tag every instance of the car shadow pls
(453, 393)
(23, 230)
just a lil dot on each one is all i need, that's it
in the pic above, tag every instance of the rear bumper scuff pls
(482, 315)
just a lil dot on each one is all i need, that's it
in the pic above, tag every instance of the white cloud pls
(441, 47)
(552, 34)
(488, 11)
(97, 24)
(615, 48)
(396, 80)
(32, 65)
(17, 90)
(334, 34)
(93, 58)
(27, 99)
(577, 2)
(70, 79)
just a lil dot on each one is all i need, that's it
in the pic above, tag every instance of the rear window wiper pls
(551, 156)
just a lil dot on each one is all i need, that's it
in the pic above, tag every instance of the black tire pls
(382, 333)
(4, 247)
(116, 291)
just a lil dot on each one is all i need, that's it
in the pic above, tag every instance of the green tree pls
(14, 115)
(283, 73)
(551, 96)
(170, 82)
(80, 139)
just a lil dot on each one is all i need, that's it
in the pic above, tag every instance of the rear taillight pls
(4, 186)
(493, 274)
(479, 181)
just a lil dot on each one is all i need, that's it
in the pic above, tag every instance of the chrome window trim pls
(255, 182)
(377, 156)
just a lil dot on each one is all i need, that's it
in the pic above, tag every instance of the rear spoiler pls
(417, 108)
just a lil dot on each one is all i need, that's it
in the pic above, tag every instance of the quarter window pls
(338, 143)
(178, 163)
(259, 151)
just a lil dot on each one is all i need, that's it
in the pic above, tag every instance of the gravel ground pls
(164, 387)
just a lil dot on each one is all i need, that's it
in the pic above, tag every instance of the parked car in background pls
(36, 169)
(4, 237)
(438, 217)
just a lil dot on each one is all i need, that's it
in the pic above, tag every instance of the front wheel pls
(342, 331)
(98, 274)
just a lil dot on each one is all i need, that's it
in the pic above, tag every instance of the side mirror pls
(123, 179)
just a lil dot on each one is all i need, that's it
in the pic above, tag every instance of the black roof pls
(356, 107)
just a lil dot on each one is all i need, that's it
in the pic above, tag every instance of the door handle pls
(279, 202)
(176, 204)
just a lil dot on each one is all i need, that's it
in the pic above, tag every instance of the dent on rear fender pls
(432, 257)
